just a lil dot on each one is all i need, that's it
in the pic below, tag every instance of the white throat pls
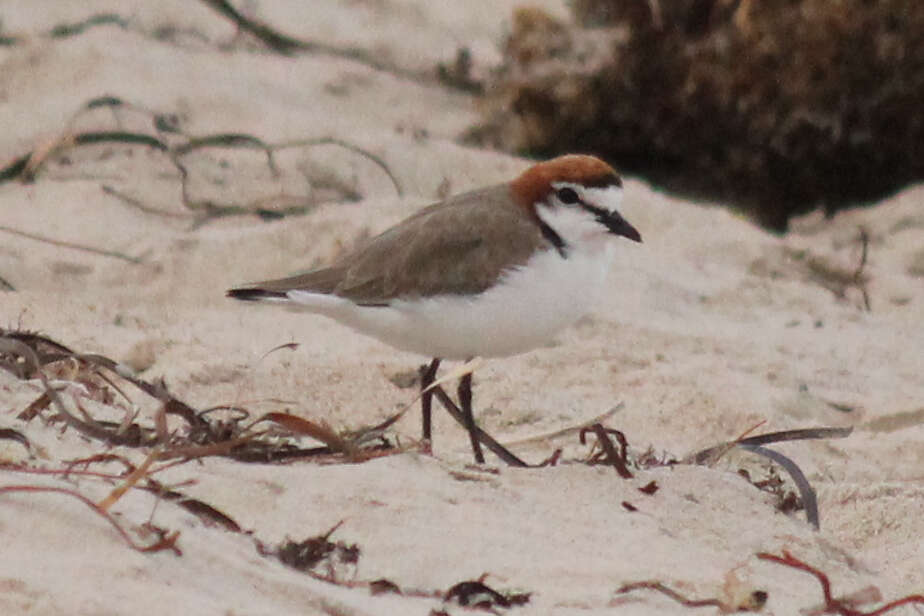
(576, 226)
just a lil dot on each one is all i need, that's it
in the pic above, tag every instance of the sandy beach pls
(708, 329)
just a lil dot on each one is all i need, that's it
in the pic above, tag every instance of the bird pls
(493, 272)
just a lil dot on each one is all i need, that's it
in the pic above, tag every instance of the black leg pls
(502, 452)
(465, 401)
(427, 376)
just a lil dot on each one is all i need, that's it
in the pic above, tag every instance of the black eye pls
(567, 195)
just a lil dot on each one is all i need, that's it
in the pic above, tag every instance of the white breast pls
(527, 307)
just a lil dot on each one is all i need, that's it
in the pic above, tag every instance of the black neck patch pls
(554, 238)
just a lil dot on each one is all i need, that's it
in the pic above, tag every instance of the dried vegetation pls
(779, 108)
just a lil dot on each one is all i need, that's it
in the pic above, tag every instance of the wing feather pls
(459, 246)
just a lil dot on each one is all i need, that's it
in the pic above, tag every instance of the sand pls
(708, 328)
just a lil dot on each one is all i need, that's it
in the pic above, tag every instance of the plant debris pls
(476, 594)
(754, 602)
(15, 435)
(166, 541)
(168, 138)
(383, 586)
(219, 431)
(779, 108)
(316, 555)
(336, 562)
(833, 276)
(787, 501)
(755, 444)
(845, 606)
(67, 30)
(289, 45)
(608, 454)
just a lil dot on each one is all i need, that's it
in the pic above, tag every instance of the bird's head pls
(573, 198)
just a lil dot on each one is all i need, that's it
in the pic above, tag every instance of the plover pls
(492, 272)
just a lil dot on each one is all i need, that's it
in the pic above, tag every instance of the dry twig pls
(166, 542)
(285, 44)
(754, 444)
(204, 435)
(754, 602)
(834, 605)
(167, 129)
(619, 460)
(72, 246)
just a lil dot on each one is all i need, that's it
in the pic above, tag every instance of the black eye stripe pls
(597, 211)
(567, 195)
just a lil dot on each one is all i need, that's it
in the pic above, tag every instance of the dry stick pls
(156, 391)
(138, 204)
(209, 210)
(357, 438)
(36, 340)
(235, 403)
(288, 45)
(226, 140)
(130, 481)
(347, 146)
(162, 123)
(710, 457)
(14, 435)
(213, 210)
(318, 431)
(475, 594)
(90, 427)
(755, 444)
(97, 251)
(796, 435)
(101, 19)
(101, 458)
(6, 286)
(200, 509)
(271, 38)
(64, 472)
(712, 454)
(673, 594)
(833, 605)
(202, 451)
(67, 30)
(26, 167)
(167, 542)
(548, 436)
(858, 273)
(838, 279)
(225, 447)
(8, 345)
(67, 140)
(809, 500)
(617, 459)
(15, 168)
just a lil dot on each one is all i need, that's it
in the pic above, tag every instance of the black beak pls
(617, 225)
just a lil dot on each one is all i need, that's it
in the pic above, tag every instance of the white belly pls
(527, 307)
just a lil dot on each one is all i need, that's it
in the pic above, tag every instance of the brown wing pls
(323, 280)
(458, 246)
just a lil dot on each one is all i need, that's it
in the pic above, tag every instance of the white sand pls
(709, 327)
